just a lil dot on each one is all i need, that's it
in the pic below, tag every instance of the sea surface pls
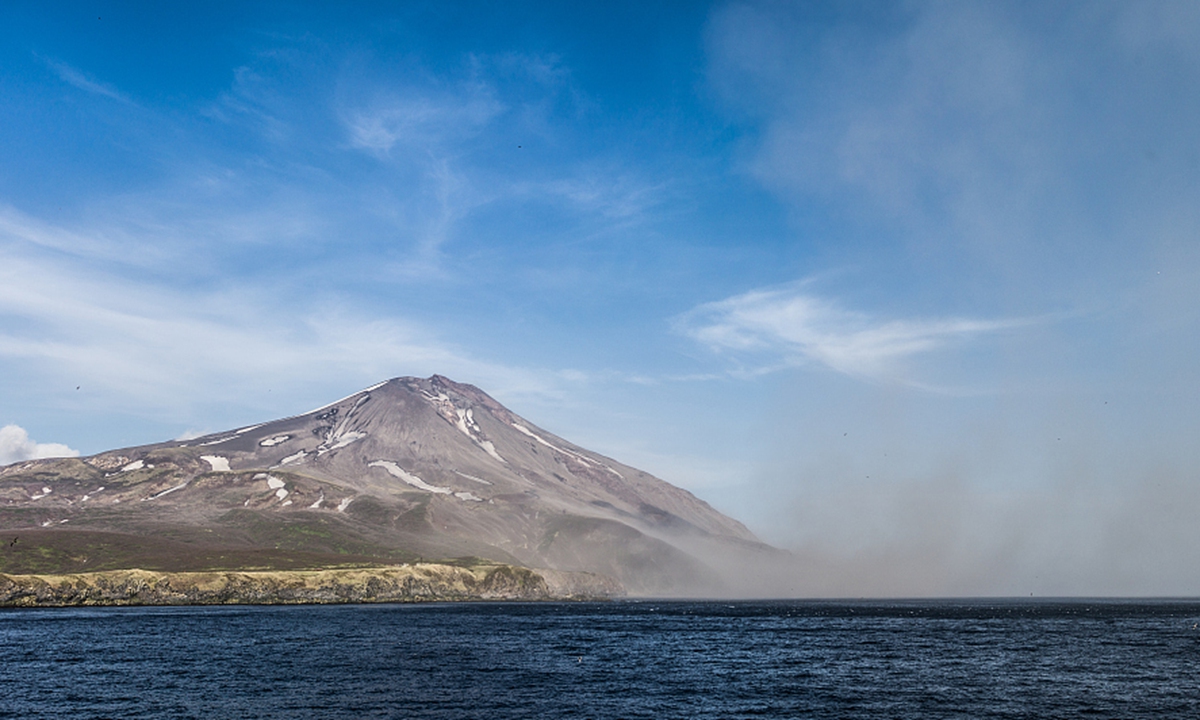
(865, 659)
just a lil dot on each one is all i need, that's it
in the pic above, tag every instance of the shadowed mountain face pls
(407, 469)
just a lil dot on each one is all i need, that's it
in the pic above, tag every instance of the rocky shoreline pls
(419, 582)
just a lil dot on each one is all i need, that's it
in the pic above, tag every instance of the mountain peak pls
(424, 467)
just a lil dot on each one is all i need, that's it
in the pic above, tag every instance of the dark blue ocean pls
(867, 659)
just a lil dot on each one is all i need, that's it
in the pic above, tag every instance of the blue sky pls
(910, 288)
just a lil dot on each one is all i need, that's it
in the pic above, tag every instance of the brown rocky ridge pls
(418, 582)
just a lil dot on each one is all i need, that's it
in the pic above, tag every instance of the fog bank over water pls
(989, 385)
(898, 494)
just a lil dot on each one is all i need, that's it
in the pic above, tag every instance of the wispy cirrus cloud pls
(437, 144)
(77, 78)
(419, 121)
(172, 352)
(609, 195)
(523, 92)
(790, 327)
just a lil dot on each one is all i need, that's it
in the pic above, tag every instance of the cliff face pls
(409, 469)
(421, 582)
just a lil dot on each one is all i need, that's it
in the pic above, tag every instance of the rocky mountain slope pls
(405, 470)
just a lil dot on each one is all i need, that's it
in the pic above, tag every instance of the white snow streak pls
(293, 458)
(413, 480)
(376, 386)
(564, 451)
(168, 491)
(472, 477)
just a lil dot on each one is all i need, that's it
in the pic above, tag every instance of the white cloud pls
(17, 227)
(790, 327)
(615, 196)
(153, 349)
(520, 90)
(420, 122)
(15, 446)
(76, 78)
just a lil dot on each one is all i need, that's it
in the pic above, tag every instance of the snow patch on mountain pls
(218, 463)
(342, 442)
(490, 449)
(135, 465)
(570, 453)
(339, 436)
(409, 478)
(273, 441)
(295, 457)
(463, 419)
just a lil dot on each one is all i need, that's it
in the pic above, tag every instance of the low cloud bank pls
(16, 445)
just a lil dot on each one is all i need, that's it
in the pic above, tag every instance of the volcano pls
(409, 469)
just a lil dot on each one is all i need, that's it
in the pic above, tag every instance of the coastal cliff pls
(419, 582)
